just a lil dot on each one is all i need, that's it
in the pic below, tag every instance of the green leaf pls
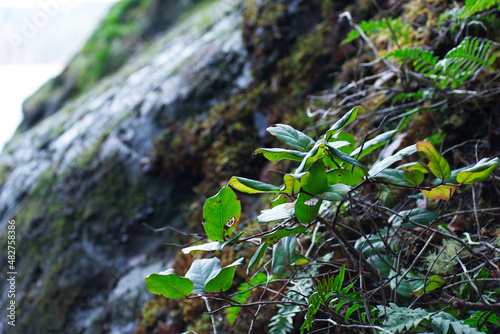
(413, 166)
(437, 138)
(202, 271)
(417, 215)
(343, 137)
(398, 156)
(224, 279)
(395, 176)
(345, 176)
(169, 285)
(280, 199)
(283, 255)
(441, 192)
(380, 263)
(437, 163)
(221, 213)
(312, 156)
(276, 236)
(276, 154)
(312, 309)
(348, 118)
(318, 180)
(344, 157)
(244, 292)
(450, 325)
(259, 253)
(373, 144)
(339, 279)
(307, 208)
(208, 276)
(350, 310)
(415, 177)
(434, 282)
(292, 137)
(293, 182)
(336, 192)
(478, 172)
(279, 212)
(249, 186)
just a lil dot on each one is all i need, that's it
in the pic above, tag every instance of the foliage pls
(354, 238)
(400, 319)
(328, 177)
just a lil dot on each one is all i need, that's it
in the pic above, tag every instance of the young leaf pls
(437, 163)
(292, 137)
(259, 253)
(249, 186)
(169, 285)
(276, 154)
(224, 279)
(398, 156)
(441, 192)
(349, 117)
(221, 213)
(478, 172)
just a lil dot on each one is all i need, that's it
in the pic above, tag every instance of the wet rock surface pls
(74, 182)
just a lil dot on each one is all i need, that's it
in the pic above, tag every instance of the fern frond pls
(282, 322)
(400, 28)
(475, 6)
(449, 325)
(461, 63)
(466, 60)
(400, 319)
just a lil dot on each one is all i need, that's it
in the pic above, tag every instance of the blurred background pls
(36, 48)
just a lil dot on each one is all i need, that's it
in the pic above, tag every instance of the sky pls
(37, 39)
(34, 3)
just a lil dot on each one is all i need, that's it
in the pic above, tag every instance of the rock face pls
(73, 182)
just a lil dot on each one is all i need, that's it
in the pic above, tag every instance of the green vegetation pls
(328, 183)
(350, 238)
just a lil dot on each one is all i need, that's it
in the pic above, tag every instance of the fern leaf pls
(402, 318)
(401, 29)
(467, 60)
(475, 6)
(282, 322)
(451, 325)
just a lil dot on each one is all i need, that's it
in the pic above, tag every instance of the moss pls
(445, 261)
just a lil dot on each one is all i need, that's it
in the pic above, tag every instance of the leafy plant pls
(328, 178)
